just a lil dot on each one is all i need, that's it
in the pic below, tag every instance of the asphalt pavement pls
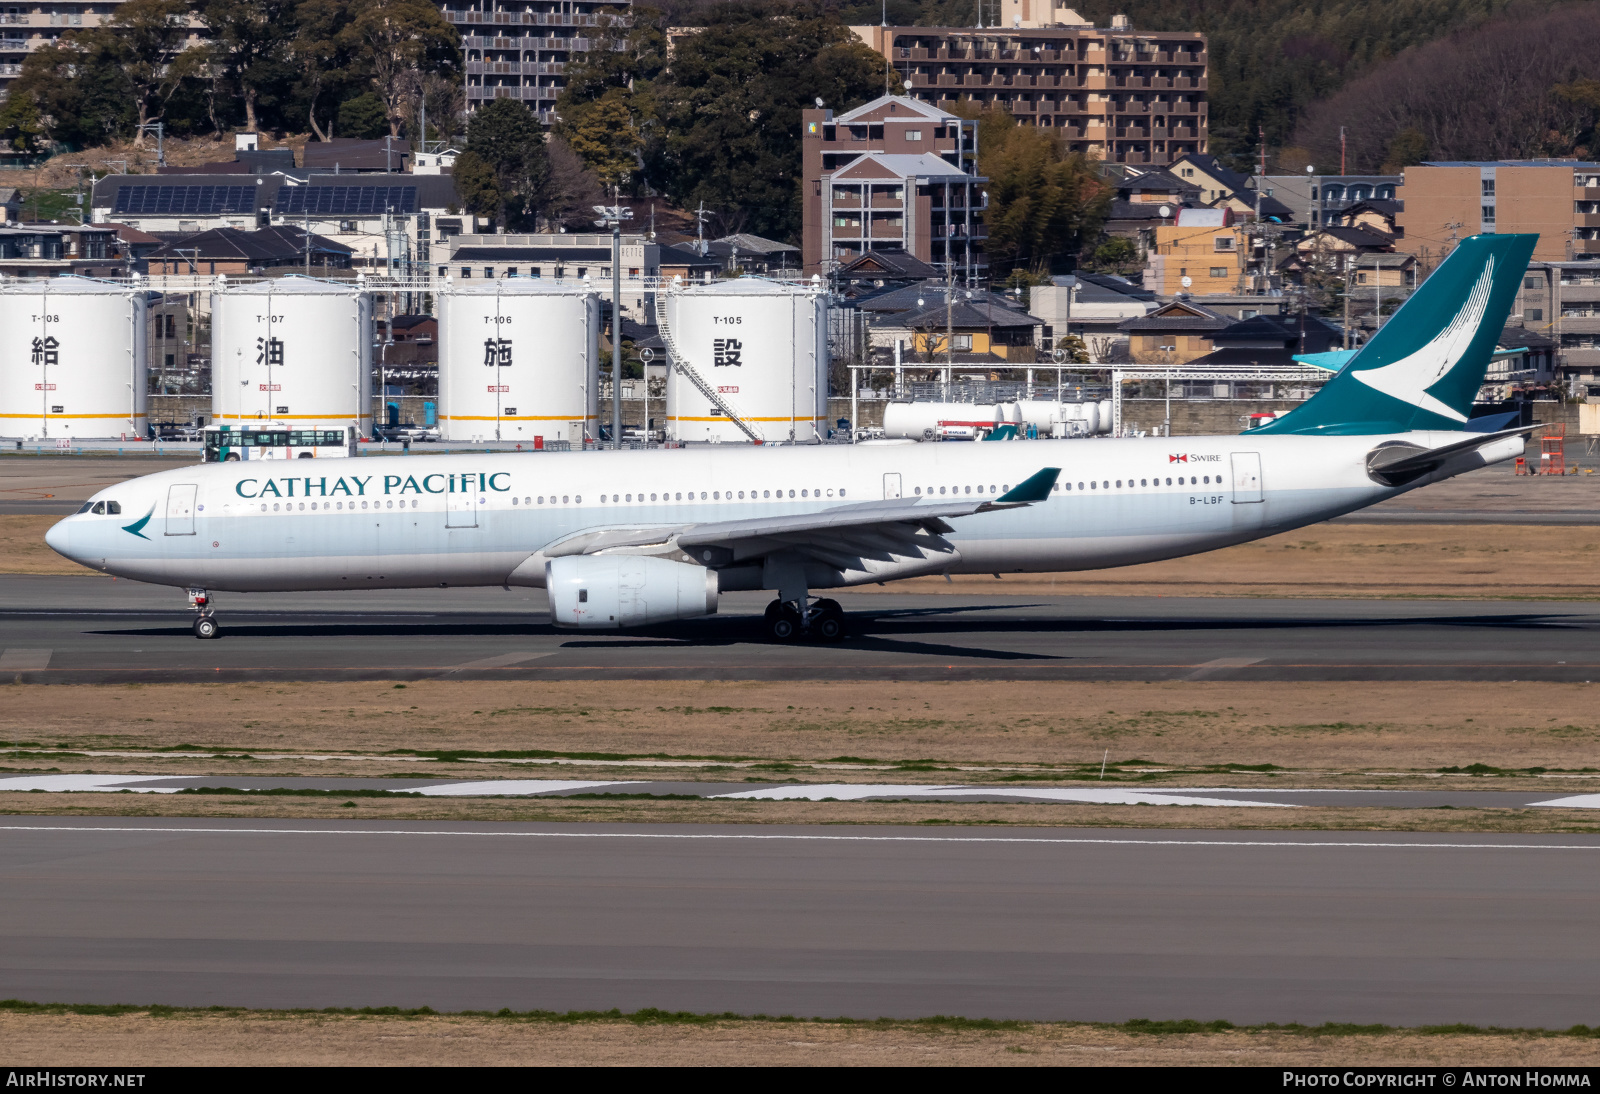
(94, 629)
(1403, 929)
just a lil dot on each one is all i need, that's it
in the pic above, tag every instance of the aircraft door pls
(891, 486)
(1246, 477)
(180, 509)
(461, 506)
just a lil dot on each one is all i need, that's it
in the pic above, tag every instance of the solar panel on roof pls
(184, 200)
(345, 200)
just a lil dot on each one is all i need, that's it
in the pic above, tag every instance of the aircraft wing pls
(872, 540)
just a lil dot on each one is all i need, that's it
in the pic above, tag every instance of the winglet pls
(1035, 487)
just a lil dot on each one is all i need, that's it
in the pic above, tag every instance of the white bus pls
(275, 441)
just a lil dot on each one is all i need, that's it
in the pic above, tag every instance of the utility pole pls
(1341, 150)
(160, 130)
(612, 216)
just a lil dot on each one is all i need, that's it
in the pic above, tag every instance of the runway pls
(1558, 795)
(96, 630)
(1004, 923)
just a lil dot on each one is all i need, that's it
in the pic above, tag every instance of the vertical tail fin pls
(1423, 368)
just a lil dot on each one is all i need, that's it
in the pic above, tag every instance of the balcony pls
(1586, 220)
(1586, 246)
(515, 68)
(530, 19)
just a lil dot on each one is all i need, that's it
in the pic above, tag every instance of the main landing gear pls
(205, 622)
(822, 618)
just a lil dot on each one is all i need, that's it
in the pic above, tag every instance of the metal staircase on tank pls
(680, 361)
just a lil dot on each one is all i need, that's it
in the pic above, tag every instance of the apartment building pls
(516, 49)
(1447, 201)
(893, 175)
(1561, 301)
(1120, 95)
(29, 26)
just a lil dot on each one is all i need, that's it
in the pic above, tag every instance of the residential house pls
(54, 250)
(1173, 334)
(1091, 307)
(350, 156)
(10, 205)
(1558, 200)
(752, 254)
(1202, 252)
(687, 264)
(273, 252)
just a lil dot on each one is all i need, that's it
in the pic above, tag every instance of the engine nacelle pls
(604, 592)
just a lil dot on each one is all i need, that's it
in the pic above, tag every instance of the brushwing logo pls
(137, 527)
(1178, 459)
(1409, 378)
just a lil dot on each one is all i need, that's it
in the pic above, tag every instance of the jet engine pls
(604, 592)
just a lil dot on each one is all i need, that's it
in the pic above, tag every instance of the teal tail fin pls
(1424, 367)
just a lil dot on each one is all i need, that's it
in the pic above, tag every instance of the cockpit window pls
(113, 507)
(88, 505)
(99, 507)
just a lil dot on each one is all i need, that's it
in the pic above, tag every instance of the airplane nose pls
(59, 538)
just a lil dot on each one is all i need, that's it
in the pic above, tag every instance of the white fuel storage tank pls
(761, 345)
(295, 350)
(518, 359)
(72, 359)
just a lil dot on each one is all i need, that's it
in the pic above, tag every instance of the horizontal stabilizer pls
(1398, 464)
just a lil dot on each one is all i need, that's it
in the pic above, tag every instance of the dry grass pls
(23, 550)
(199, 1039)
(369, 811)
(1311, 727)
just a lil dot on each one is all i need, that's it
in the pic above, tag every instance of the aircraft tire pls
(828, 625)
(206, 627)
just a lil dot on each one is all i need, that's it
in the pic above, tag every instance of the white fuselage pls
(413, 521)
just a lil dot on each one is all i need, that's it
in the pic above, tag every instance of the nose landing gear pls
(205, 623)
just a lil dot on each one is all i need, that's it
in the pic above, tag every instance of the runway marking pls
(19, 660)
(1577, 801)
(518, 787)
(501, 661)
(1090, 795)
(1202, 671)
(105, 784)
(807, 838)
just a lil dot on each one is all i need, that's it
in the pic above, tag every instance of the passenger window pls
(841, 493)
(1119, 484)
(1094, 486)
(1208, 480)
(702, 495)
(766, 493)
(578, 498)
(1105, 486)
(969, 489)
(1169, 482)
(563, 499)
(1080, 486)
(791, 493)
(1143, 483)
(918, 490)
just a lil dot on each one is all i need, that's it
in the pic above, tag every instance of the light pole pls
(612, 216)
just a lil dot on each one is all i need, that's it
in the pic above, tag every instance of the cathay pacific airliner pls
(625, 538)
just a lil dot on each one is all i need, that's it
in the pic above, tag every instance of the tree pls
(77, 92)
(364, 116)
(476, 183)
(21, 127)
(321, 51)
(509, 139)
(605, 137)
(147, 37)
(574, 189)
(250, 48)
(397, 39)
(1116, 254)
(1044, 203)
(728, 111)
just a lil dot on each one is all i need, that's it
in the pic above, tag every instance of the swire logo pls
(1178, 459)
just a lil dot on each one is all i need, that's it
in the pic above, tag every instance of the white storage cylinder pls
(1043, 413)
(72, 359)
(763, 346)
(519, 358)
(1105, 417)
(294, 350)
(921, 420)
